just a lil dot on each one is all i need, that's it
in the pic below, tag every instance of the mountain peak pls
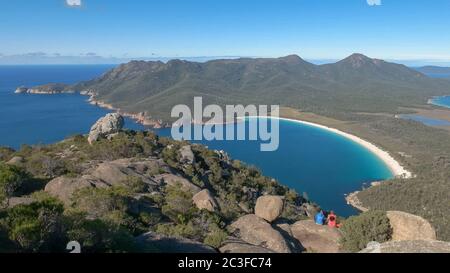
(357, 60)
(293, 58)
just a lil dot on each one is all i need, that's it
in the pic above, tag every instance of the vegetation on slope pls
(108, 218)
(354, 84)
(371, 226)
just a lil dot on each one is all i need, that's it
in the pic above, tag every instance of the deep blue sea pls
(33, 119)
(324, 165)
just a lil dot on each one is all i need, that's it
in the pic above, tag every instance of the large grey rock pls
(16, 201)
(256, 231)
(417, 246)
(205, 200)
(269, 207)
(17, 161)
(120, 172)
(63, 187)
(175, 180)
(187, 156)
(234, 245)
(316, 238)
(105, 126)
(152, 242)
(406, 227)
(107, 174)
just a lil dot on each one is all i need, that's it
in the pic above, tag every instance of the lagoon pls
(443, 101)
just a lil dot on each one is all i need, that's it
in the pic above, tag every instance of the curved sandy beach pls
(395, 167)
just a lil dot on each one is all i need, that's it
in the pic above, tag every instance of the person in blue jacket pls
(320, 218)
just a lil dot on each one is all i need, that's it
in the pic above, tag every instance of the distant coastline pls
(53, 89)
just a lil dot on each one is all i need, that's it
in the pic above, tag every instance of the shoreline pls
(433, 102)
(397, 170)
(139, 118)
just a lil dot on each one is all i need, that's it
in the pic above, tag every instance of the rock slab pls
(417, 246)
(205, 200)
(317, 238)
(408, 227)
(256, 231)
(269, 207)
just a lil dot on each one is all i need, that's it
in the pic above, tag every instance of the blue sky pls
(313, 29)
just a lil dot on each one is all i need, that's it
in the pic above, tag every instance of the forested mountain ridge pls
(356, 83)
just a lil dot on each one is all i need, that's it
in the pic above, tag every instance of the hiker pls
(332, 220)
(320, 218)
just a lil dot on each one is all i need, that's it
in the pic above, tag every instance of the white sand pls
(393, 165)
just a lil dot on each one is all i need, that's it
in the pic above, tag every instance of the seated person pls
(332, 220)
(320, 218)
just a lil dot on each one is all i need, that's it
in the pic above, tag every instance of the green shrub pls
(178, 205)
(36, 227)
(96, 235)
(5, 153)
(216, 237)
(12, 180)
(186, 230)
(359, 230)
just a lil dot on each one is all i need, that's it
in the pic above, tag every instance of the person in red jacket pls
(332, 220)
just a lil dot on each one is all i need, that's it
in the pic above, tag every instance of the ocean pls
(324, 165)
(43, 119)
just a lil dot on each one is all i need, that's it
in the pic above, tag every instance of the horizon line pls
(46, 59)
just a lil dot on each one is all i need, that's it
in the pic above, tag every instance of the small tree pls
(178, 204)
(11, 180)
(36, 227)
(359, 230)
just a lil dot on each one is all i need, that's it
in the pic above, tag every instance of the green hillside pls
(354, 84)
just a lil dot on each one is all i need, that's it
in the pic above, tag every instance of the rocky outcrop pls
(120, 172)
(316, 238)
(17, 161)
(51, 88)
(114, 173)
(152, 242)
(63, 187)
(187, 156)
(107, 125)
(256, 231)
(234, 245)
(269, 207)
(407, 227)
(16, 201)
(175, 180)
(417, 246)
(205, 200)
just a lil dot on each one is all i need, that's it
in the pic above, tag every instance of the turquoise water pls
(324, 165)
(441, 101)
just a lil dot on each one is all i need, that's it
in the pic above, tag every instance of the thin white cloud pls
(374, 2)
(74, 3)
